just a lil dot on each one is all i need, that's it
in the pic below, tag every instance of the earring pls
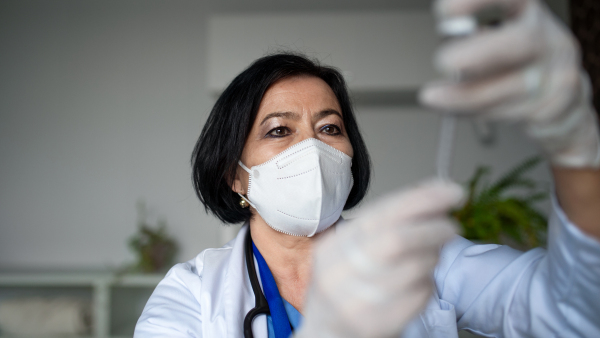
(243, 203)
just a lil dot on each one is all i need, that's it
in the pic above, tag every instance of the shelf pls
(116, 299)
(78, 279)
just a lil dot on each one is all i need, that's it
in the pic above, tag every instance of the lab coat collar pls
(227, 292)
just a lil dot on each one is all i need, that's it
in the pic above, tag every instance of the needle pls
(457, 27)
(446, 146)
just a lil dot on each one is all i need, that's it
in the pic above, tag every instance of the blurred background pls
(101, 103)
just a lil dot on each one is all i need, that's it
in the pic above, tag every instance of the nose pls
(306, 132)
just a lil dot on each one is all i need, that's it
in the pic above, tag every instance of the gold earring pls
(243, 203)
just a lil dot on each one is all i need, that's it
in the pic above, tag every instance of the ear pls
(237, 185)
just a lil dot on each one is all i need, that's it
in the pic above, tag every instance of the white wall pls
(375, 51)
(100, 105)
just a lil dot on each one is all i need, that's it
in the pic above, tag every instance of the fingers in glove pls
(530, 94)
(406, 274)
(509, 46)
(399, 308)
(376, 293)
(428, 199)
(402, 309)
(453, 8)
(415, 239)
(428, 235)
(383, 317)
(481, 95)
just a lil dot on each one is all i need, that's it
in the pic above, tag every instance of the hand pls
(527, 70)
(374, 274)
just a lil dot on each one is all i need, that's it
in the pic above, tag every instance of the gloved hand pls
(374, 273)
(526, 70)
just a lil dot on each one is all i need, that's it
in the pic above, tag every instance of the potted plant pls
(154, 248)
(504, 211)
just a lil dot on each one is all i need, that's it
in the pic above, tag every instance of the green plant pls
(154, 249)
(504, 211)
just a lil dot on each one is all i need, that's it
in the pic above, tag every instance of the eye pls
(278, 132)
(331, 129)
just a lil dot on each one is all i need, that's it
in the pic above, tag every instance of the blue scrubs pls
(294, 317)
(284, 317)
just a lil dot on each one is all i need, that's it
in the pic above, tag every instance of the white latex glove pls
(374, 273)
(526, 70)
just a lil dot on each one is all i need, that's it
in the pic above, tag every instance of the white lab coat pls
(490, 290)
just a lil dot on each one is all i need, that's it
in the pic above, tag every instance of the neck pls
(289, 259)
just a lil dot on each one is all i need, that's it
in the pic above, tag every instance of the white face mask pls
(302, 190)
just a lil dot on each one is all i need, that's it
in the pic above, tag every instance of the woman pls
(288, 177)
(281, 152)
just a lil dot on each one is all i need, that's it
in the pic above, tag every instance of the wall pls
(100, 106)
(375, 50)
(101, 103)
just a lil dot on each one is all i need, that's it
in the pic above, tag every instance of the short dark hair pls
(219, 147)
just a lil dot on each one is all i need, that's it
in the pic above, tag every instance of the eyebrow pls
(283, 114)
(326, 112)
(295, 116)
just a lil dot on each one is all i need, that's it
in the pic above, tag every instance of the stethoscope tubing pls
(261, 305)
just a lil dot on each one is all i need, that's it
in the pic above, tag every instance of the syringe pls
(457, 27)
(446, 146)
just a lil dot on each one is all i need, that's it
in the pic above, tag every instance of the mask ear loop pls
(249, 173)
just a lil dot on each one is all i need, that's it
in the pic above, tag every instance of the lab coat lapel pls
(437, 321)
(227, 292)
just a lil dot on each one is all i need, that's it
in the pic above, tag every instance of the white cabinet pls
(117, 300)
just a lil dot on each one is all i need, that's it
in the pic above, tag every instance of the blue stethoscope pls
(281, 324)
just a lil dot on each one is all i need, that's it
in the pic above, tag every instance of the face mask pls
(301, 191)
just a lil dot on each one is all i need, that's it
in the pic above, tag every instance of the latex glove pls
(374, 273)
(526, 70)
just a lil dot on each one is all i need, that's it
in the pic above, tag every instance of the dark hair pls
(219, 147)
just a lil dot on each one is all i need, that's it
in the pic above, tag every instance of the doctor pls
(281, 152)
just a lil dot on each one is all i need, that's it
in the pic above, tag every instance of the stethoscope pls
(262, 307)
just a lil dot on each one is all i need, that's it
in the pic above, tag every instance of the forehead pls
(299, 92)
